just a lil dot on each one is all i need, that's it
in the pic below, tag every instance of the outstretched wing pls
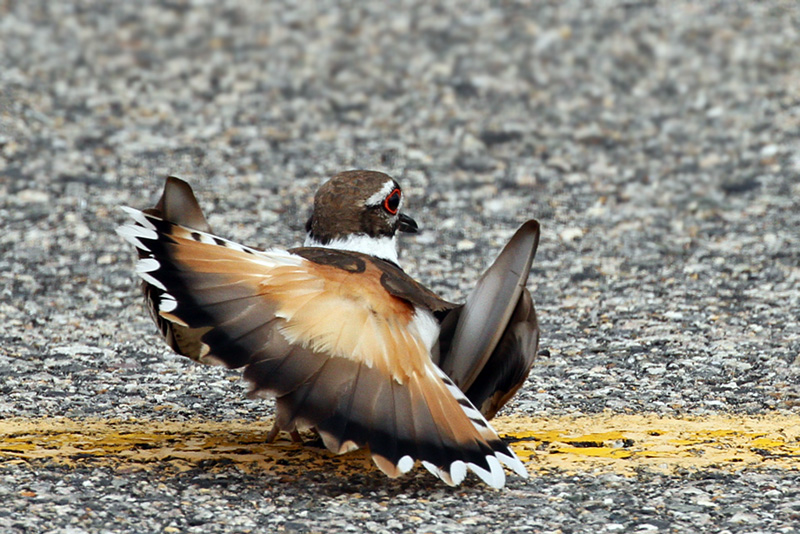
(341, 354)
(488, 346)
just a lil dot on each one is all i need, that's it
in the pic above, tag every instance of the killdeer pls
(347, 342)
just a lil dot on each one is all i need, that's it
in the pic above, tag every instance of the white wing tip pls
(513, 463)
(438, 472)
(147, 265)
(405, 464)
(138, 216)
(494, 476)
(129, 210)
(458, 471)
(132, 232)
(167, 303)
(152, 281)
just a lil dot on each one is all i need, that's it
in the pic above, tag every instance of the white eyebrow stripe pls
(377, 198)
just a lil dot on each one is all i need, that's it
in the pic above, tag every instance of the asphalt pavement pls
(658, 143)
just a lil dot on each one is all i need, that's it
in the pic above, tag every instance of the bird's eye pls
(392, 201)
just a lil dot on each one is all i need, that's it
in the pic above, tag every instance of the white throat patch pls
(384, 248)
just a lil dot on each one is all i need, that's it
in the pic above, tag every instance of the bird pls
(348, 343)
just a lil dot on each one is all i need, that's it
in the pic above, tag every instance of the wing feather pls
(510, 362)
(487, 346)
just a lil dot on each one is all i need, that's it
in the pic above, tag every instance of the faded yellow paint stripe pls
(628, 443)
(603, 443)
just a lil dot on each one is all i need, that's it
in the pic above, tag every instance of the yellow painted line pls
(134, 445)
(605, 443)
(628, 443)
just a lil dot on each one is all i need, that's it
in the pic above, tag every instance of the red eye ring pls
(392, 201)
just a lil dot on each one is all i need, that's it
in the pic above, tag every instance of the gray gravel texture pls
(657, 142)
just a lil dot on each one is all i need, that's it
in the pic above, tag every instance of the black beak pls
(407, 224)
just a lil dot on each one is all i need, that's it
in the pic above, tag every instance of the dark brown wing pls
(510, 363)
(488, 346)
